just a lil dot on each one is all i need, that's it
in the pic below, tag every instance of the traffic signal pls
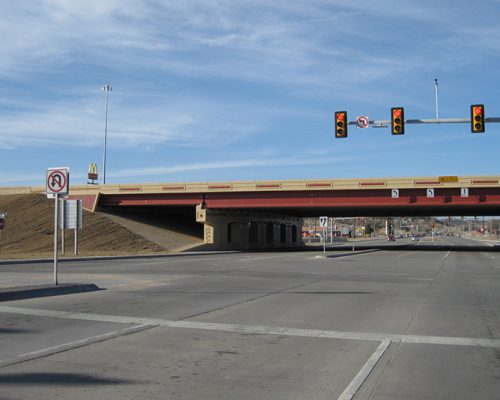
(477, 118)
(341, 124)
(397, 120)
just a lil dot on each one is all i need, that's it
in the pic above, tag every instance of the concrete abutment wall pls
(247, 230)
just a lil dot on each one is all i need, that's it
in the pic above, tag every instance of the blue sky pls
(244, 90)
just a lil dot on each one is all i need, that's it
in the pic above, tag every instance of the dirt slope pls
(29, 233)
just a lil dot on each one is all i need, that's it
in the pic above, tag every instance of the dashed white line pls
(421, 279)
(407, 253)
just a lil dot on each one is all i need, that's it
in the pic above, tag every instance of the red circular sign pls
(56, 181)
(362, 122)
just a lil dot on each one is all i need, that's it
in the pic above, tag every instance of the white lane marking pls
(421, 279)
(365, 371)
(262, 258)
(447, 254)
(73, 345)
(258, 329)
(407, 253)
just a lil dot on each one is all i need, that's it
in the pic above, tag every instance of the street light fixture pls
(107, 88)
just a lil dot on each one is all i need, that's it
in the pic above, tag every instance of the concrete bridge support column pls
(246, 230)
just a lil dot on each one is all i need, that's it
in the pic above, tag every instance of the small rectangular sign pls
(448, 179)
(71, 214)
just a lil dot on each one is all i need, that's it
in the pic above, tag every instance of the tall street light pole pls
(107, 88)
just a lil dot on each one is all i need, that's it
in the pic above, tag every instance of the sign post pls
(3, 216)
(57, 183)
(63, 218)
(323, 222)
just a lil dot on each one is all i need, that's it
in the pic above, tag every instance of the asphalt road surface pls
(387, 323)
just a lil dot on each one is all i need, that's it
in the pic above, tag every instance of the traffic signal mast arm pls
(477, 121)
(384, 123)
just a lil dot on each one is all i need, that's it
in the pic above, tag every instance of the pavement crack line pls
(74, 345)
(248, 300)
(429, 289)
(419, 307)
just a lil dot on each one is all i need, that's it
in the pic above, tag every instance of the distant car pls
(415, 239)
(391, 238)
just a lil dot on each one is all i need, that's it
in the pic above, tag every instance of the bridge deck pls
(306, 197)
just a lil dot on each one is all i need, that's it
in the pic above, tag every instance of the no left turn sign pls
(57, 181)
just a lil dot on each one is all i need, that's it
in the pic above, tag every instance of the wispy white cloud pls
(213, 75)
(306, 43)
(179, 121)
(225, 165)
(164, 172)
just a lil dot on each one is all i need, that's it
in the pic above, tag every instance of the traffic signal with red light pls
(477, 118)
(341, 124)
(397, 120)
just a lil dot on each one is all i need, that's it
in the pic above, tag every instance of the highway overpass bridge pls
(268, 213)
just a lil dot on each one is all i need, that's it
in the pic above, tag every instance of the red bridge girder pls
(446, 201)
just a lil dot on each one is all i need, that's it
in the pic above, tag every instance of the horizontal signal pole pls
(385, 123)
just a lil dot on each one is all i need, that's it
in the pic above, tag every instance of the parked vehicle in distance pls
(391, 238)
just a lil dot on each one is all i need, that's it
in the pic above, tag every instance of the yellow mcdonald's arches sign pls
(93, 171)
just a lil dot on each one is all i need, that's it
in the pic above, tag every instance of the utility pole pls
(436, 87)
(107, 88)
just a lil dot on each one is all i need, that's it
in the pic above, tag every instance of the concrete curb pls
(97, 258)
(30, 292)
